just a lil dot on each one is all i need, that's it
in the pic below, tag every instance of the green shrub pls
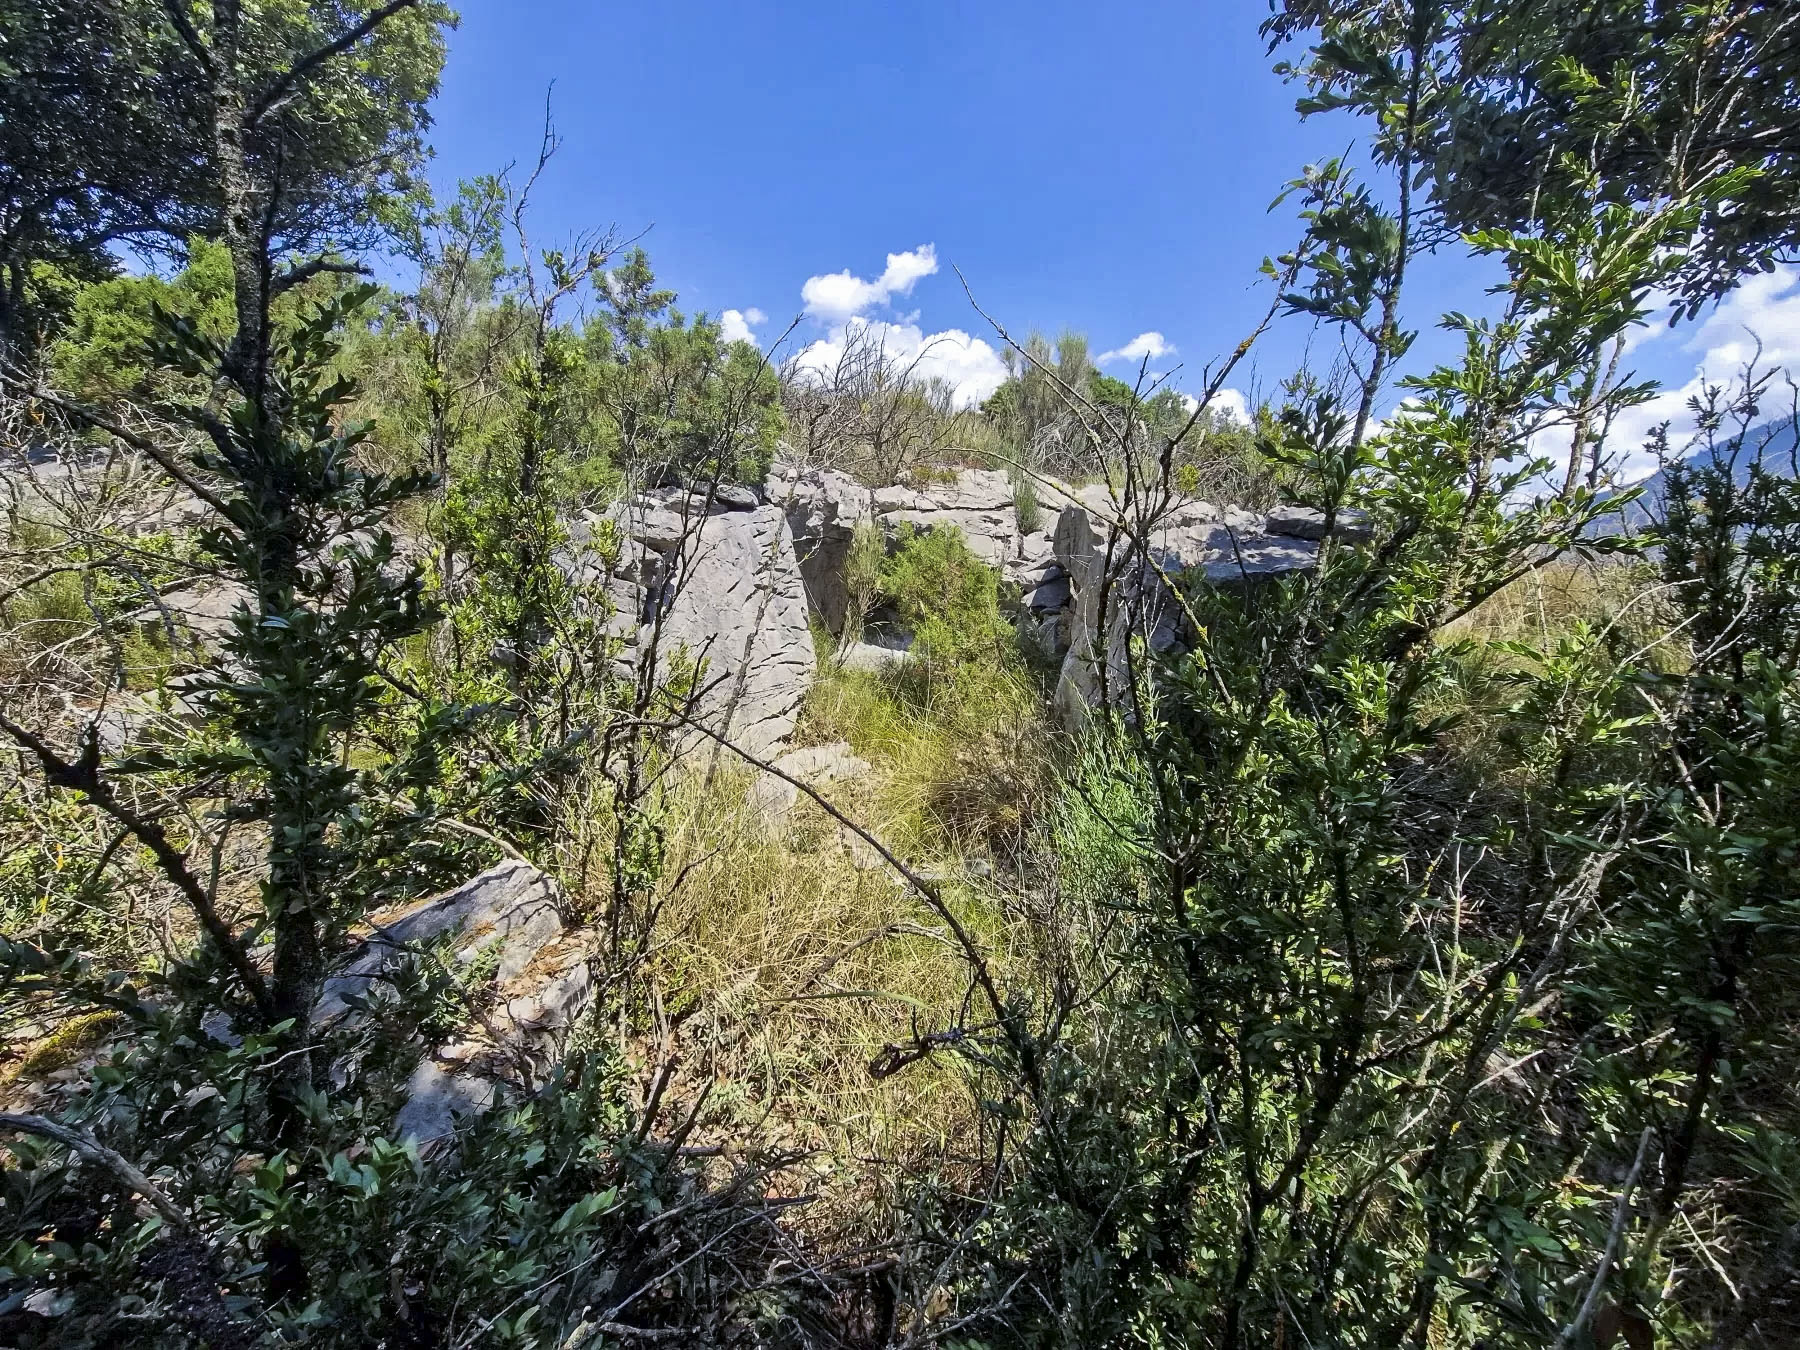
(947, 597)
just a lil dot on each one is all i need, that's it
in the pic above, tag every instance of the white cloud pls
(1230, 402)
(836, 297)
(970, 366)
(1765, 308)
(735, 324)
(1233, 404)
(1145, 345)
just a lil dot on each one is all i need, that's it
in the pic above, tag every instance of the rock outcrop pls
(512, 916)
(1114, 590)
(976, 503)
(1081, 576)
(824, 507)
(716, 586)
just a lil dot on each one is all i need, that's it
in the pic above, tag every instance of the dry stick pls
(143, 445)
(83, 776)
(475, 831)
(81, 1142)
(1607, 1257)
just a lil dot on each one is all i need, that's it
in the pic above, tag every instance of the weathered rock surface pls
(719, 590)
(542, 984)
(1119, 591)
(1306, 522)
(872, 655)
(513, 905)
(823, 509)
(977, 503)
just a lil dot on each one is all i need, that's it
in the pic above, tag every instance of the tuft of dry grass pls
(965, 765)
(790, 959)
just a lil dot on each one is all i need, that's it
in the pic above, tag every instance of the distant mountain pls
(1776, 443)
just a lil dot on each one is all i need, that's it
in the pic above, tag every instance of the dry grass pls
(790, 962)
(964, 765)
(1544, 604)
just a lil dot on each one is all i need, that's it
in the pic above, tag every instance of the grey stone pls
(1034, 560)
(735, 604)
(651, 524)
(1306, 522)
(1257, 558)
(201, 611)
(977, 504)
(513, 904)
(438, 1098)
(1118, 586)
(871, 656)
(543, 980)
(736, 497)
(823, 509)
(1049, 596)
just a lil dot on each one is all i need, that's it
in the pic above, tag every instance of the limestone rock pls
(543, 983)
(977, 504)
(1121, 591)
(1306, 522)
(1034, 561)
(871, 656)
(735, 604)
(513, 904)
(823, 509)
(719, 591)
(1049, 596)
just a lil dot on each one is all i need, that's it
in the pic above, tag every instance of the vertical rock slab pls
(735, 605)
(823, 509)
(1123, 589)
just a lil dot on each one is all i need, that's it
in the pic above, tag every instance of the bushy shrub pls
(949, 600)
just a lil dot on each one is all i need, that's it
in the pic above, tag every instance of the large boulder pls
(713, 583)
(736, 605)
(1122, 588)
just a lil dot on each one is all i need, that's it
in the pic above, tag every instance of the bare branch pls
(304, 272)
(79, 1141)
(83, 776)
(143, 445)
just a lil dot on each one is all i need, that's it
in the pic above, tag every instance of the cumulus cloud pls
(1145, 345)
(836, 297)
(735, 324)
(1764, 309)
(1230, 403)
(970, 366)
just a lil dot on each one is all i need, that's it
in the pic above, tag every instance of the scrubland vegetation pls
(1407, 957)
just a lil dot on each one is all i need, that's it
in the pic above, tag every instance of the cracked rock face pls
(542, 984)
(1118, 592)
(736, 605)
(824, 507)
(716, 590)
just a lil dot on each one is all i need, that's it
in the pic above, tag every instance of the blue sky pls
(1102, 168)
